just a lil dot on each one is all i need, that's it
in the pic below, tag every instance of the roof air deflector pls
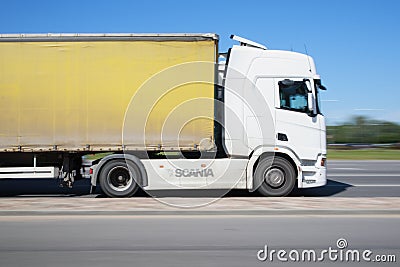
(246, 42)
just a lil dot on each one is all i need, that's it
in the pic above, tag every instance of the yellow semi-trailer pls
(167, 111)
(65, 95)
(71, 93)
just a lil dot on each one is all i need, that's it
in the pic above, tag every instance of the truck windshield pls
(318, 87)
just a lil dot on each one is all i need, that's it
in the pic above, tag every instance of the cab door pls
(297, 126)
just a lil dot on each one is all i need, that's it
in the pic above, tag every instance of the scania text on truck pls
(160, 111)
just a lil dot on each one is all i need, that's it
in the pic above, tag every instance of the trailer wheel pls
(118, 178)
(276, 177)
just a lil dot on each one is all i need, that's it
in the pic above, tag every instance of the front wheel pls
(275, 177)
(118, 178)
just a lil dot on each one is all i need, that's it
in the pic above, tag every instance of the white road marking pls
(366, 185)
(334, 161)
(354, 169)
(361, 175)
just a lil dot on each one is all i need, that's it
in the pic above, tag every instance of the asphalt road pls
(190, 240)
(195, 240)
(345, 179)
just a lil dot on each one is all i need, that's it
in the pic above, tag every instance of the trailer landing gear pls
(70, 170)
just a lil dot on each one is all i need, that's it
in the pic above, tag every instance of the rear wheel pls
(275, 177)
(118, 178)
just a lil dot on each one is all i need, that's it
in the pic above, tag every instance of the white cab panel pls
(251, 93)
(303, 133)
(196, 174)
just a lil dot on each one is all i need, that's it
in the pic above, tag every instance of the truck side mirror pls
(310, 99)
(311, 106)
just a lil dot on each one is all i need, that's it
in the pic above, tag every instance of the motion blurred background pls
(354, 43)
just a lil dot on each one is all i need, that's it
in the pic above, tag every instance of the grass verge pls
(365, 154)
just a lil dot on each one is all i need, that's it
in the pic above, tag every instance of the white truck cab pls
(275, 94)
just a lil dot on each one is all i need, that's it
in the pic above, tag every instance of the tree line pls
(362, 130)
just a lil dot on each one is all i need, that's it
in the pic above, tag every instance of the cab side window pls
(293, 96)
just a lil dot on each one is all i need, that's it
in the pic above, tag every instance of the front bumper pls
(312, 176)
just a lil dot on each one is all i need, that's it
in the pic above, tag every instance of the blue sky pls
(355, 44)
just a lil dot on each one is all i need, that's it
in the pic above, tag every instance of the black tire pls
(275, 177)
(117, 179)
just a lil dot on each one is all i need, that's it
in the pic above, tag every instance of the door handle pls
(282, 137)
